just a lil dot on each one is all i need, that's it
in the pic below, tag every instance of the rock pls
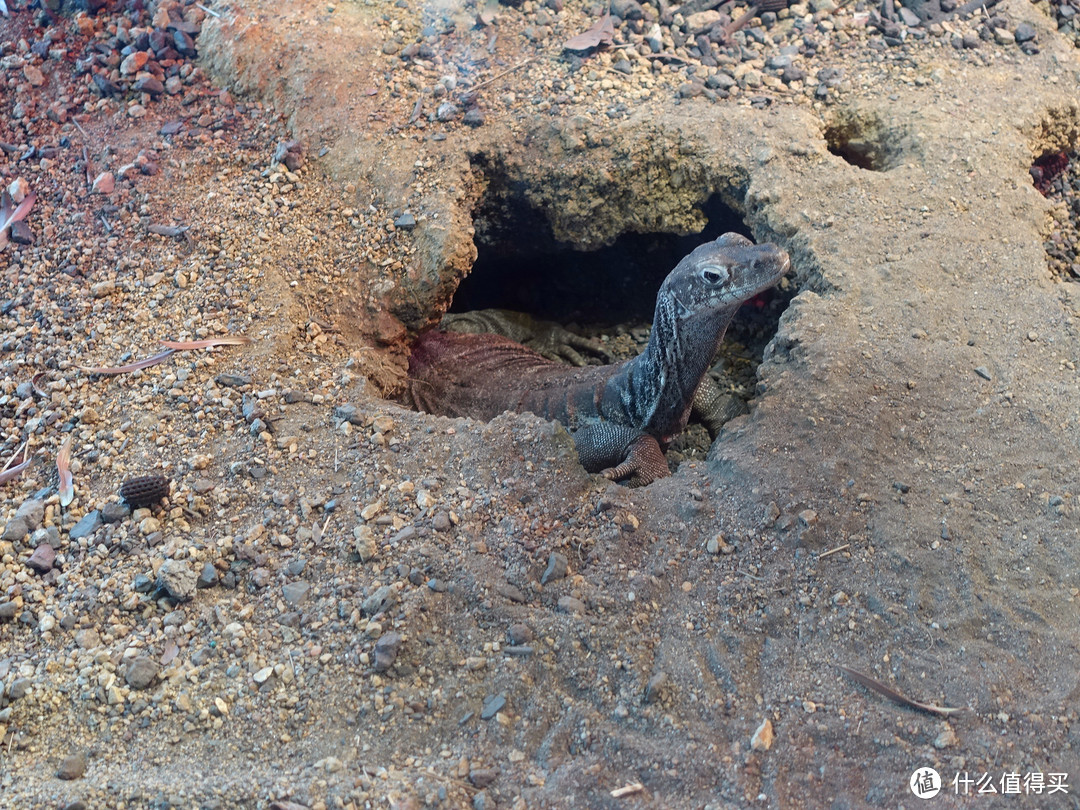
(42, 559)
(482, 777)
(568, 604)
(984, 372)
(177, 579)
(405, 222)
(386, 650)
(141, 672)
(1004, 36)
(473, 118)
(446, 112)
(441, 522)
(493, 704)
(88, 638)
(946, 738)
(379, 601)
(18, 689)
(33, 75)
(656, 687)
(1024, 33)
(16, 529)
(104, 183)
(511, 592)
(520, 633)
(72, 766)
(33, 510)
(134, 62)
(8, 611)
(556, 568)
(142, 583)
(366, 545)
(87, 525)
(295, 593)
(762, 739)
(909, 17)
(114, 512)
(208, 577)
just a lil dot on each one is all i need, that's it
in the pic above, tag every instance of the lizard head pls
(718, 276)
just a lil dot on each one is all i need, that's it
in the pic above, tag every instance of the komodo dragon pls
(712, 406)
(622, 416)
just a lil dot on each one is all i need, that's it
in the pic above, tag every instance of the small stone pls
(16, 529)
(568, 604)
(208, 577)
(807, 518)
(946, 738)
(1024, 33)
(441, 521)
(983, 372)
(446, 112)
(142, 583)
(520, 633)
(493, 704)
(295, 593)
(141, 672)
(134, 62)
(104, 183)
(762, 739)
(177, 579)
(263, 675)
(556, 568)
(386, 650)
(366, 545)
(8, 611)
(1004, 36)
(114, 512)
(72, 766)
(482, 777)
(656, 687)
(511, 592)
(42, 559)
(88, 638)
(18, 689)
(102, 289)
(379, 601)
(473, 118)
(405, 222)
(33, 75)
(87, 525)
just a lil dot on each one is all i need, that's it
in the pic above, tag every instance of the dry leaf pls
(136, 366)
(11, 213)
(63, 467)
(877, 686)
(600, 33)
(227, 340)
(11, 470)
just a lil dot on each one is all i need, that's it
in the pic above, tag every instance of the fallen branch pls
(887, 691)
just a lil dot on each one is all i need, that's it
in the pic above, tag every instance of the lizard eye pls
(714, 275)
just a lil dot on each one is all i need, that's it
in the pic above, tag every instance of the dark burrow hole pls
(609, 294)
(861, 143)
(1056, 175)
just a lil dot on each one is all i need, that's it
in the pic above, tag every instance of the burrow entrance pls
(608, 294)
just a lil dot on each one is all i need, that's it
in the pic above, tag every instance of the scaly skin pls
(621, 416)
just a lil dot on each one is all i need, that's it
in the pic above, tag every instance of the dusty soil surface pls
(343, 603)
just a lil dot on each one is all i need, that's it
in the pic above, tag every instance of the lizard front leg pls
(712, 407)
(619, 452)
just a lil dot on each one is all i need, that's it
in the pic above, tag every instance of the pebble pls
(482, 777)
(141, 672)
(114, 512)
(104, 183)
(556, 568)
(379, 601)
(42, 559)
(386, 651)
(295, 593)
(441, 521)
(568, 604)
(366, 545)
(983, 372)
(87, 525)
(177, 579)
(493, 704)
(16, 529)
(8, 610)
(511, 592)
(762, 739)
(33, 510)
(656, 687)
(520, 633)
(72, 766)
(208, 577)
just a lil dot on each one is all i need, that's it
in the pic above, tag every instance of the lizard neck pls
(663, 379)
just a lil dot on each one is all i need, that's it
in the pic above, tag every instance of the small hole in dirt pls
(845, 143)
(864, 139)
(609, 295)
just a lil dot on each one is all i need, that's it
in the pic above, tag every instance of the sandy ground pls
(378, 627)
